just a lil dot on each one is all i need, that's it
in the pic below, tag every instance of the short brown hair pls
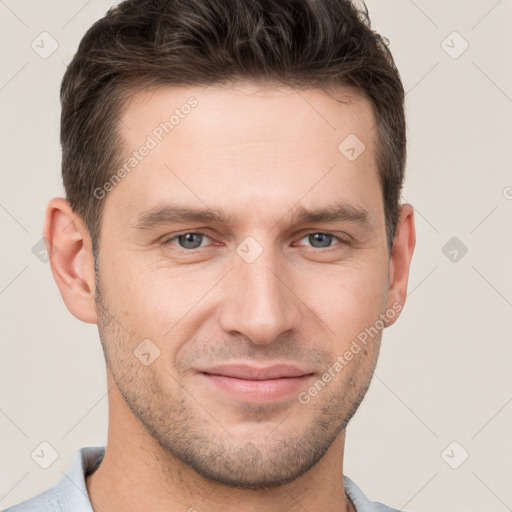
(298, 43)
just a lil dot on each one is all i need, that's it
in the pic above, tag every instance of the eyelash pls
(191, 251)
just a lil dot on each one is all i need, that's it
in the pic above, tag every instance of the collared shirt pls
(70, 494)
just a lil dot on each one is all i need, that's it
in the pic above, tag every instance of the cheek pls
(347, 299)
(156, 301)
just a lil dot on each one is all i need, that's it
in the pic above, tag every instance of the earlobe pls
(400, 262)
(71, 260)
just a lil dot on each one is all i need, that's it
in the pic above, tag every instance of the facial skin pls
(259, 155)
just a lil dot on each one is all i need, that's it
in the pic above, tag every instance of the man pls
(233, 225)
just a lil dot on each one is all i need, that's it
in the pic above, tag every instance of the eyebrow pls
(173, 214)
(336, 212)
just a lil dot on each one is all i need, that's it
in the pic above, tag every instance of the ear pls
(400, 262)
(70, 251)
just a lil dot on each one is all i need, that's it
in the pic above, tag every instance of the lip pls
(248, 372)
(258, 384)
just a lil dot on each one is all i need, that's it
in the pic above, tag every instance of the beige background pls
(444, 371)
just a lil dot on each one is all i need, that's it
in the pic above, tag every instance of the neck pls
(138, 474)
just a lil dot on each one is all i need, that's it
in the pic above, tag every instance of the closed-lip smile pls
(248, 382)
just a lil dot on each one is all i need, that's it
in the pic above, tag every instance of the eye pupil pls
(187, 240)
(324, 239)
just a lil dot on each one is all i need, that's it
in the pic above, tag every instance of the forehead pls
(246, 147)
(255, 109)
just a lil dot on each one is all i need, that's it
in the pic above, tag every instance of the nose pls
(260, 304)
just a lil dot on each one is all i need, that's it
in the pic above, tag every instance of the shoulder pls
(47, 500)
(70, 494)
(360, 501)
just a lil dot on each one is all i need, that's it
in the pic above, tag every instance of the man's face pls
(265, 287)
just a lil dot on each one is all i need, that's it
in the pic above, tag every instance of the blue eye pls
(190, 240)
(321, 240)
